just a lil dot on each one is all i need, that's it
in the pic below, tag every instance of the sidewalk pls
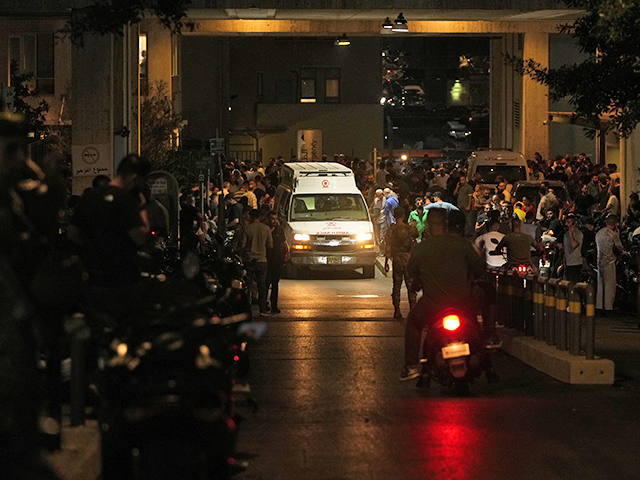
(617, 351)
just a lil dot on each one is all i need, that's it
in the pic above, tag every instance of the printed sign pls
(325, 183)
(310, 145)
(91, 160)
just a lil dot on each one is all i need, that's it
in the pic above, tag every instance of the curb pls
(561, 365)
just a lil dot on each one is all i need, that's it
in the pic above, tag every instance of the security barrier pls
(549, 309)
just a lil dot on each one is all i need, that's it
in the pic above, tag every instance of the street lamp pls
(342, 40)
(400, 25)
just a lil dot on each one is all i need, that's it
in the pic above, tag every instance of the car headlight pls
(301, 237)
(363, 237)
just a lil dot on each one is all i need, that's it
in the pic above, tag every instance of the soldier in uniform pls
(399, 240)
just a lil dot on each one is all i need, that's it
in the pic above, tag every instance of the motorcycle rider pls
(445, 266)
(518, 245)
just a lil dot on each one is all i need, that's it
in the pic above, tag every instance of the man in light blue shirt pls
(391, 202)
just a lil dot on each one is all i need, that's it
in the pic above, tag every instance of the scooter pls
(454, 351)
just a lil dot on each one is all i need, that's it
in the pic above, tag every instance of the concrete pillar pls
(104, 103)
(535, 104)
(92, 111)
(629, 167)
(506, 94)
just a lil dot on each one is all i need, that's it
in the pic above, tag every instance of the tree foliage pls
(25, 99)
(158, 123)
(605, 88)
(110, 16)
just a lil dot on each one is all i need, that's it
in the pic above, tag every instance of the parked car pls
(457, 130)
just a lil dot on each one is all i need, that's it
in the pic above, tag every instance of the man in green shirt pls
(518, 245)
(418, 217)
(463, 193)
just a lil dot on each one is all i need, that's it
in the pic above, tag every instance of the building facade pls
(256, 75)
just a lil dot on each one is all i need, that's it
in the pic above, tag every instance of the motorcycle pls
(454, 352)
(166, 377)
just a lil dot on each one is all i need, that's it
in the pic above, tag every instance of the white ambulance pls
(325, 219)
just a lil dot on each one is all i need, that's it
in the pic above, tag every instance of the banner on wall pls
(91, 160)
(309, 145)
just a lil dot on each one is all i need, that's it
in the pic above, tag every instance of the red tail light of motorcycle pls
(522, 269)
(451, 322)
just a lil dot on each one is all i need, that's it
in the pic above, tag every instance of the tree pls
(25, 99)
(605, 88)
(158, 123)
(111, 16)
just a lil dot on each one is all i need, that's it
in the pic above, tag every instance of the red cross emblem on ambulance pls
(325, 183)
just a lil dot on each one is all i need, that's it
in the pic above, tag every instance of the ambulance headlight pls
(301, 237)
(363, 237)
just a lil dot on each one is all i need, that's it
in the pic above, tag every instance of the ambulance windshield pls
(323, 207)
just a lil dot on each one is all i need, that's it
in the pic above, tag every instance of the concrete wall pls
(213, 66)
(204, 72)
(349, 129)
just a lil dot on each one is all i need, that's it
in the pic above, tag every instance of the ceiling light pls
(400, 24)
(387, 23)
(342, 40)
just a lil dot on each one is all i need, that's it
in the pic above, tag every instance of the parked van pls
(325, 218)
(493, 163)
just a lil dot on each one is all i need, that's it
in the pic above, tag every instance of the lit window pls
(143, 64)
(332, 85)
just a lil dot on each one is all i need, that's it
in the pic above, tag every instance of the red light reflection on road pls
(448, 438)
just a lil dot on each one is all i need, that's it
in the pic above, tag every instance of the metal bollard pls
(550, 310)
(511, 300)
(562, 290)
(501, 304)
(530, 285)
(539, 331)
(575, 325)
(79, 333)
(590, 321)
(518, 299)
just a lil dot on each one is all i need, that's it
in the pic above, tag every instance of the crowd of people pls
(507, 230)
(511, 230)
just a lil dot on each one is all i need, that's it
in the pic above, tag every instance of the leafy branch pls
(604, 89)
(111, 16)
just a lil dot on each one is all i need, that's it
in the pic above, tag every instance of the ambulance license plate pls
(334, 260)
(456, 350)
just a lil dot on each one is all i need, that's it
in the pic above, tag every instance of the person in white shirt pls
(488, 242)
(378, 217)
(606, 239)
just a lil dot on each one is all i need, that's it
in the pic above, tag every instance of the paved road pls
(331, 406)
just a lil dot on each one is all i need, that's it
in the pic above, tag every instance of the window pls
(332, 85)
(323, 207)
(308, 85)
(143, 64)
(34, 54)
